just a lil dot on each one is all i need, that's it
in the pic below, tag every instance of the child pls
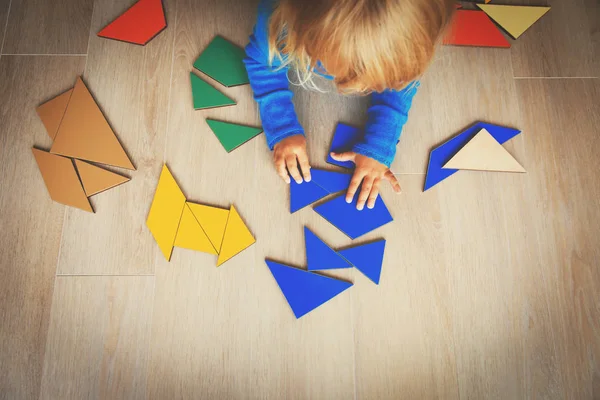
(377, 47)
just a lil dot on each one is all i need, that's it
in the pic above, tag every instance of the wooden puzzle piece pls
(190, 234)
(304, 194)
(61, 180)
(474, 28)
(52, 112)
(237, 237)
(223, 61)
(165, 212)
(96, 179)
(213, 221)
(514, 19)
(484, 153)
(344, 138)
(304, 290)
(206, 96)
(231, 135)
(85, 134)
(367, 258)
(331, 181)
(139, 24)
(319, 255)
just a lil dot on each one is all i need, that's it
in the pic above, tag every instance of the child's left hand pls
(370, 172)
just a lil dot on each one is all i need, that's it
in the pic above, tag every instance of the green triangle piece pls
(230, 135)
(224, 62)
(206, 96)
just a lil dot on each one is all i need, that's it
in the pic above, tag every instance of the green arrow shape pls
(206, 96)
(230, 135)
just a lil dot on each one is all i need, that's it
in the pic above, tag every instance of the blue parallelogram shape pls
(344, 138)
(352, 222)
(442, 154)
(319, 255)
(304, 194)
(303, 290)
(367, 258)
(331, 181)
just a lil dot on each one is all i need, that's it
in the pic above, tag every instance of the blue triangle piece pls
(331, 181)
(304, 194)
(442, 154)
(344, 138)
(319, 255)
(303, 290)
(367, 258)
(352, 222)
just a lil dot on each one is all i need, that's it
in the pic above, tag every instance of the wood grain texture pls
(31, 221)
(48, 27)
(4, 10)
(97, 346)
(131, 86)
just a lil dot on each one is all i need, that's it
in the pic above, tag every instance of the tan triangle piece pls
(484, 153)
(84, 132)
(51, 112)
(514, 19)
(61, 180)
(237, 237)
(96, 179)
(190, 234)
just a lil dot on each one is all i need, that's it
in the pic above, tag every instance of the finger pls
(347, 156)
(281, 171)
(292, 166)
(304, 166)
(354, 184)
(393, 181)
(374, 194)
(364, 192)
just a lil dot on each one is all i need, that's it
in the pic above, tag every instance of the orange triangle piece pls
(96, 179)
(51, 112)
(84, 132)
(61, 180)
(138, 25)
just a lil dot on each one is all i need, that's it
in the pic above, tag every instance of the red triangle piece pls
(474, 28)
(139, 24)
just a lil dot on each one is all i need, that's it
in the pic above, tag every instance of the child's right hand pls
(288, 155)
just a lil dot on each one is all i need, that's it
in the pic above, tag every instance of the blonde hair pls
(367, 45)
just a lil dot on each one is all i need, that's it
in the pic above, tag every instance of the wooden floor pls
(491, 283)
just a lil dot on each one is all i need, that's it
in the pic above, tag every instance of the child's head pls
(368, 45)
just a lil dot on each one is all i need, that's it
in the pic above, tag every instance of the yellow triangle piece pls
(213, 221)
(484, 153)
(237, 237)
(165, 212)
(514, 19)
(190, 234)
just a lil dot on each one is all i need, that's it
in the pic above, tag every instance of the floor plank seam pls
(87, 50)
(45, 55)
(554, 77)
(101, 275)
(170, 86)
(5, 28)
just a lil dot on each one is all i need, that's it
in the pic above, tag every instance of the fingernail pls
(308, 178)
(370, 206)
(298, 181)
(360, 207)
(348, 200)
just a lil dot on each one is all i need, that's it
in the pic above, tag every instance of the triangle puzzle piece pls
(440, 155)
(352, 222)
(230, 135)
(84, 132)
(96, 179)
(474, 28)
(213, 221)
(61, 180)
(206, 96)
(165, 213)
(190, 234)
(237, 237)
(319, 255)
(139, 24)
(367, 258)
(52, 112)
(331, 181)
(484, 153)
(344, 138)
(224, 62)
(514, 19)
(304, 194)
(303, 290)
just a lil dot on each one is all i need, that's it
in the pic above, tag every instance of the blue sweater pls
(386, 115)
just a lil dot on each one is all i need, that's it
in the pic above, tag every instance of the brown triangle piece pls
(96, 179)
(51, 112)
(84, 132)
(61, 180)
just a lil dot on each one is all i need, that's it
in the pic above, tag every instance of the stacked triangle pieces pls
(80, 133)
(175, 222)
(139, 24)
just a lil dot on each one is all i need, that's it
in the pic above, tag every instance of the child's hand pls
(290, 152)
(370, 172)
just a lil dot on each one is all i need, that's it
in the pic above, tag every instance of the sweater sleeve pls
(270, 84)
(386, 118)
